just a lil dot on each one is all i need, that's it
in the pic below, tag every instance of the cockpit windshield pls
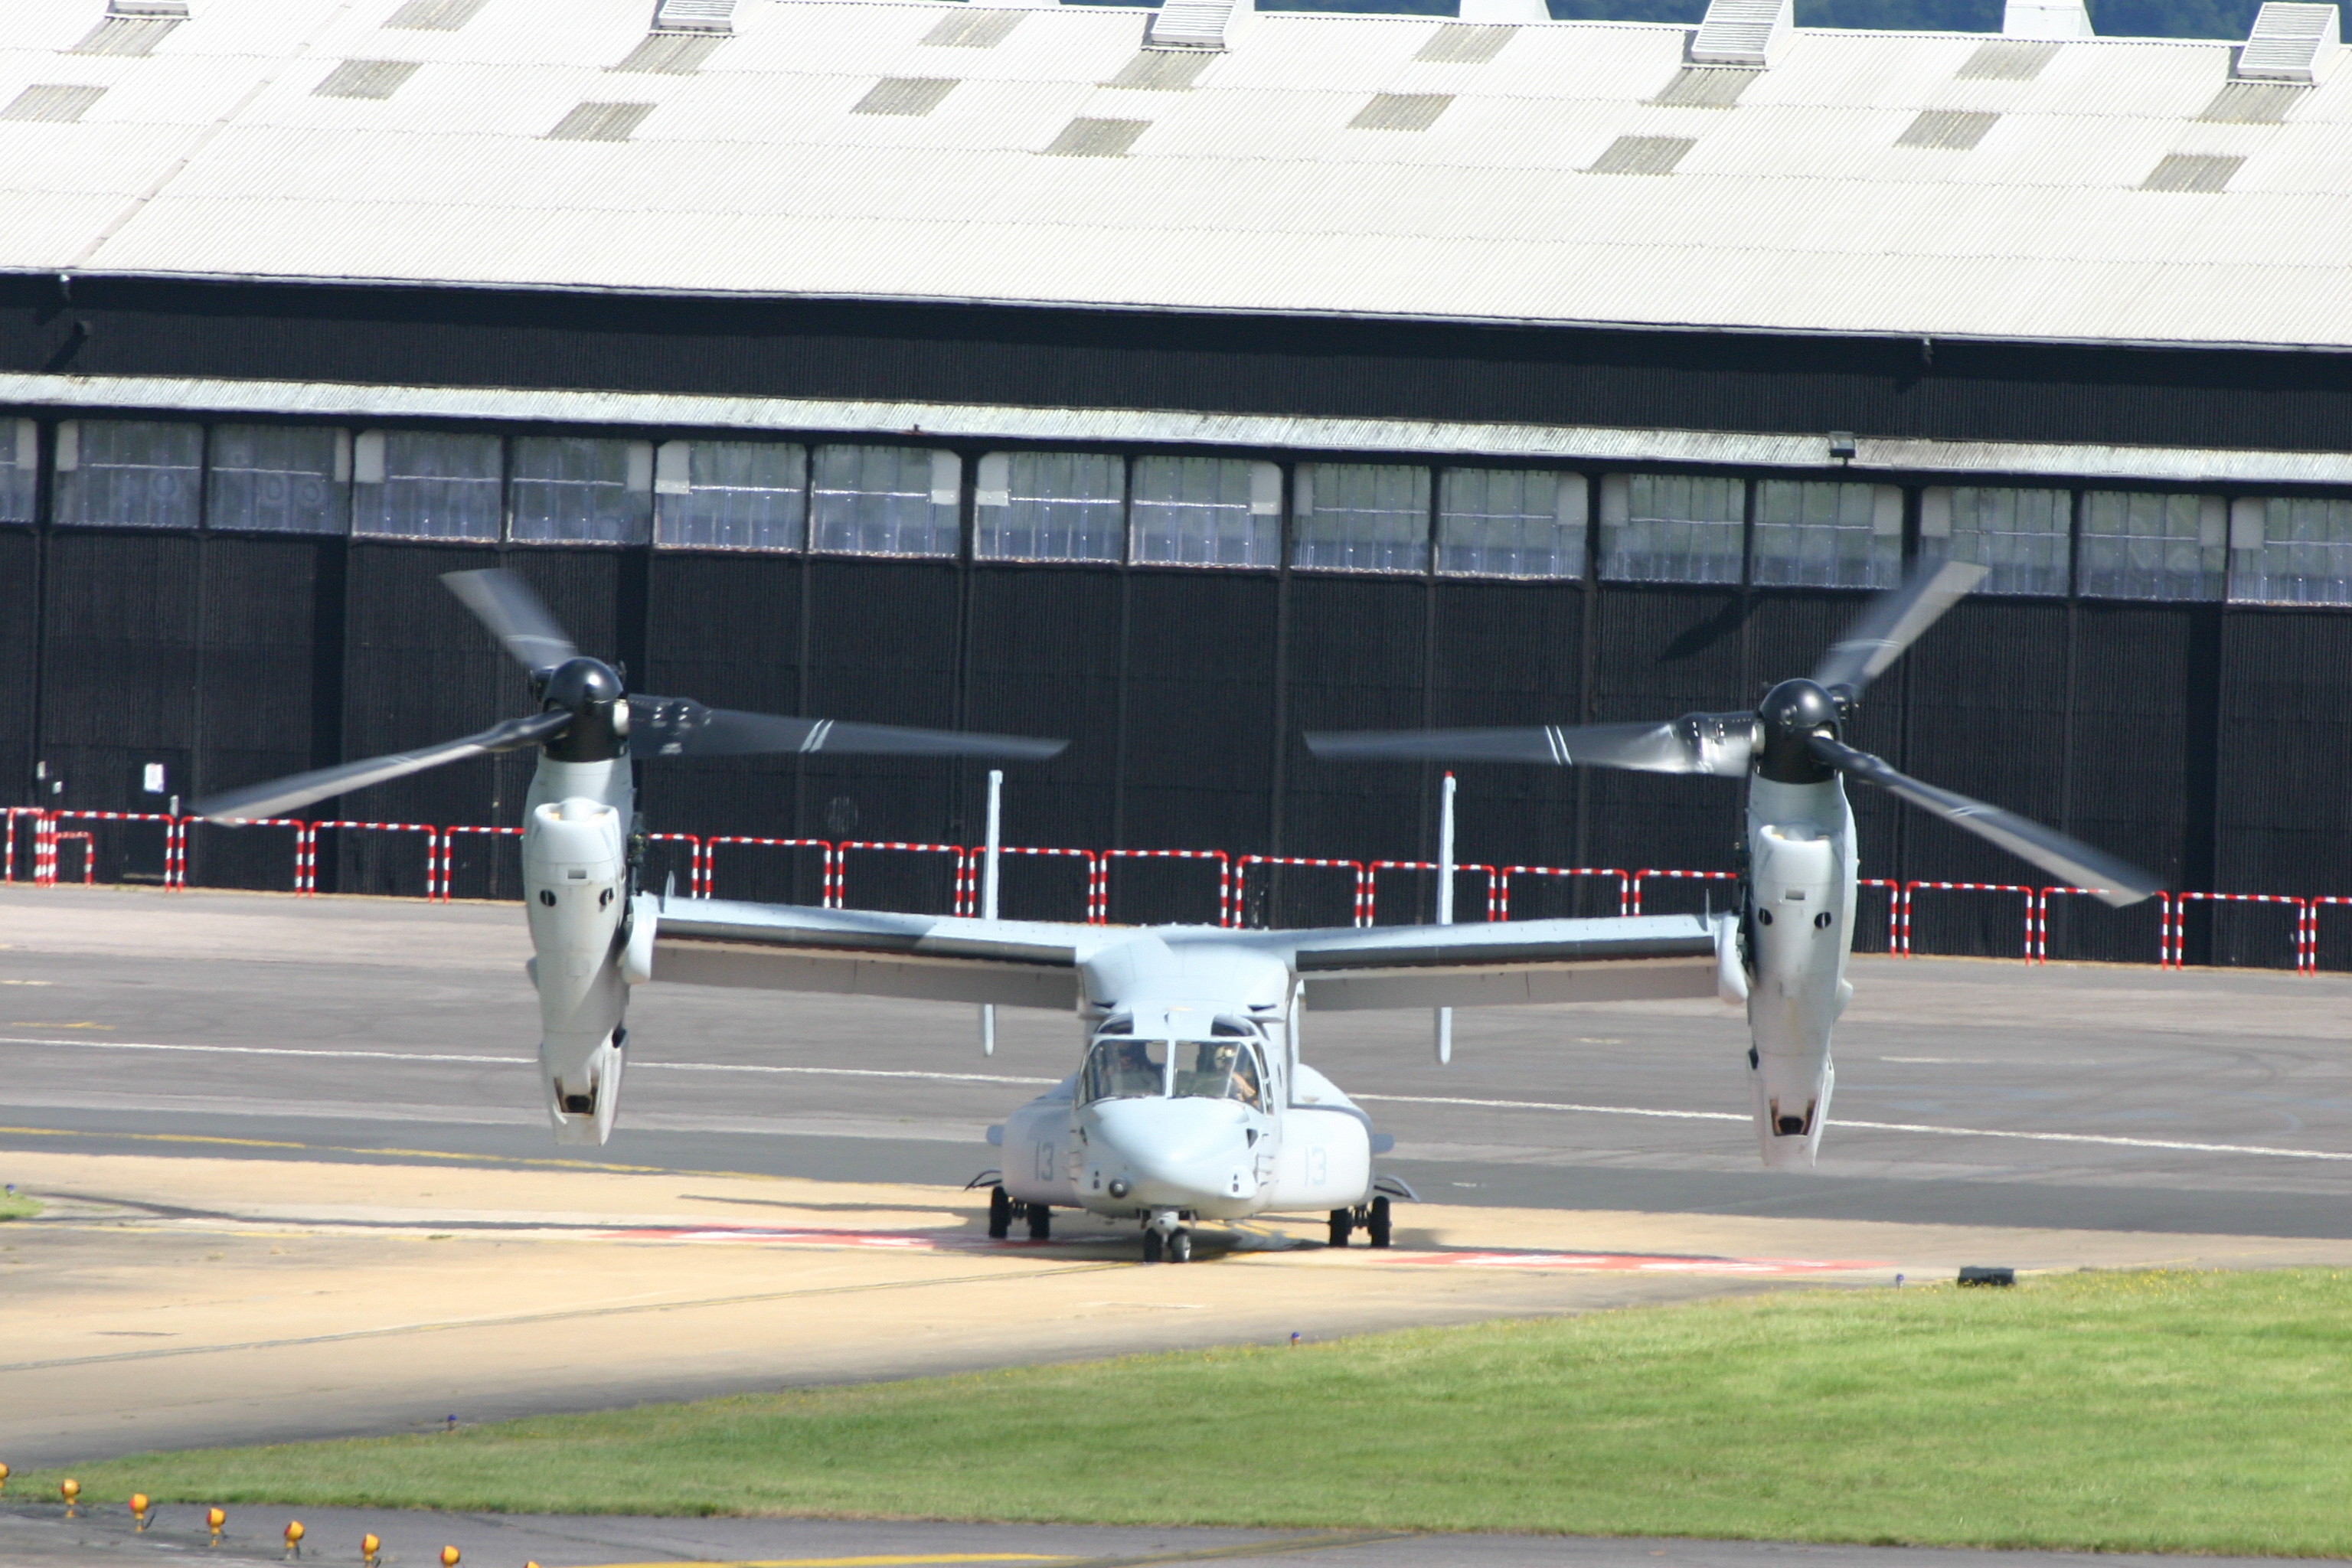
(1219, 1069)
(1127, 1069)
(1120, 1068)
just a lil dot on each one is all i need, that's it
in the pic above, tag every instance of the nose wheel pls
(1166, 1240)
(1372, 1217)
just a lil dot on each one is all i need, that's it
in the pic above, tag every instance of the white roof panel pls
(1796, 208)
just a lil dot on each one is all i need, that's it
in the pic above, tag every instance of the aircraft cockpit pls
(1129, 1068)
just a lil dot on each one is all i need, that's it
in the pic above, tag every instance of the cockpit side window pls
(1127, 1069)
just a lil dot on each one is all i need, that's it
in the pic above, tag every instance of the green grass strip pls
(16, 1205)
(2175, 1411)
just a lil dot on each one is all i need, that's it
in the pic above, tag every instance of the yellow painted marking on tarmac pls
(149, 1137)
(1279, 1546)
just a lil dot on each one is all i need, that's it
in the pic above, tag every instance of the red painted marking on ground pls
(1638, 1263)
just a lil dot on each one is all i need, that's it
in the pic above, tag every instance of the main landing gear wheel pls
(1040, 1223)
(1180, 1246)
(1377, 1226)
(1000, 1215)
(1152, 1246)
(1342, 1224)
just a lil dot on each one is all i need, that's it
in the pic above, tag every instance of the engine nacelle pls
(575, 859)
(1800, 926)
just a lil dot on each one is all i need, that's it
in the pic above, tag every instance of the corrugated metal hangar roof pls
(1939, 184)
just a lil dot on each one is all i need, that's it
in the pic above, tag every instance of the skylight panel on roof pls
(1456, 43)
(595, 121)
(2191, 172)
(58, 104)
(1400, 111)
(365, 79)
(1642, 155)
(1955, 129)
(1084, 138)
(1742, 32)
(695, 16)
(671, 54)
(435, 16)
(2291, 42)
(977, 30)
(2007, 59)
(2254, 102)
(1188, 25)
(908, 95)
(1162, 71)
(1706, 87)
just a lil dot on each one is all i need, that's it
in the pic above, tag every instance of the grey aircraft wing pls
(1504, 962)
(870, 953)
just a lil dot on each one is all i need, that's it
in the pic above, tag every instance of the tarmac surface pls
(42, 1539)
(297, 1184)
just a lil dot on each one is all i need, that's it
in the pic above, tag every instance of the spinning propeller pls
(1795, 736)
(587, 717)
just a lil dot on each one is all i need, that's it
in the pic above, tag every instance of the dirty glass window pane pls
(733, 495)
(1353, 517)
(2022, 538)
(2139, 545)
(583, 489)
(1671, 528)
(19, 457)
(129, 473)
(1207, 512)
(885, 501)
(2291, 550)
(1050, 506)
(1829, 535)
(280, 479)
(1510, 522)
(426, 484)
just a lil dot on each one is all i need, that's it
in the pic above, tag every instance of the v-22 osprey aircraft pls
(1192, 1101)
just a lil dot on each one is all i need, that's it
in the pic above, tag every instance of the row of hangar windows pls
(907, 500)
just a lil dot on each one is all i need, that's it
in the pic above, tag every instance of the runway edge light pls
(70, 1489)
(214, 1519)
(139, 1512)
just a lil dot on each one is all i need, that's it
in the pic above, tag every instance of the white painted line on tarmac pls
(1840, 1122)
(2103, 1140)
(635, 1064)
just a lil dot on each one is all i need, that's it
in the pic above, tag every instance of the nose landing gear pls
(1372, 1216)
(1165, 1237)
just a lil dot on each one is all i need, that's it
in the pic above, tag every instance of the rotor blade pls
(1892, 623)
(681, 727)
(284, 795)
(1695, 744)
(2117, 882)
(517, 616)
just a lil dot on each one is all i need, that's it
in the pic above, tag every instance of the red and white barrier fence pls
(48, 836)
(1502, 905)
(2304, 933)
(1362, 891)
(1372, 869)
(1228, 895)
(963, 891)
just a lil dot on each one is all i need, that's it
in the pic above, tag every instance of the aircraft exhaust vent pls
(1742, 32)
(2291, 42)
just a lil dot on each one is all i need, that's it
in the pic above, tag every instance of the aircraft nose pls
(1170, 1151)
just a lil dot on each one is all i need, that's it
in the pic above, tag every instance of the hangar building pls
(1175, 381)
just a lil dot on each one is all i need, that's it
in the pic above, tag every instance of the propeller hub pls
(1791, 714)
(590, 691)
